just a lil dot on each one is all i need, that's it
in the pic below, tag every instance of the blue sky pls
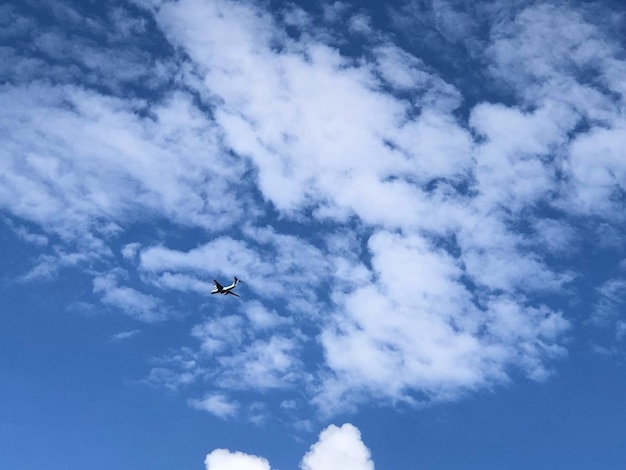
(425, 200)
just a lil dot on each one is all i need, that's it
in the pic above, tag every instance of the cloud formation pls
(399, 239)
(222, 459)
(216, 404)
(331, 131)
(338, 448)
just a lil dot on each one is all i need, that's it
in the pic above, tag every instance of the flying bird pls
(220, 289)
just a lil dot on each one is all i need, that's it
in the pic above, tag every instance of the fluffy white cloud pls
(316, 126)
(338, 448)
(576, 45)
(577, 76)
(419, 331)
(222, 459)
(516, 166)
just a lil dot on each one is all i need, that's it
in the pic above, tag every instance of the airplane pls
(220, 289)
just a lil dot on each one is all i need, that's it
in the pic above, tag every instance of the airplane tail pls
(237, 280)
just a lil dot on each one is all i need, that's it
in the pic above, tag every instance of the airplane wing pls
(218, 285)
(232, 293)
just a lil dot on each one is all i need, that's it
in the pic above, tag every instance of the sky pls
(425, 200)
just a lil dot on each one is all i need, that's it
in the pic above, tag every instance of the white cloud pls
(24, 234)
(418, 333)
(264, 364)
(123, 335)
(239, 359)
(515, 166)
(319, 129)
(222, 459)
(62, 170)
(90, 56)
(129, 251)
(176, 370)
(47, 266)
(216, 404)
(577, 76)
(238, 352)
(360, 23)
(257, 413)
(434, 292)
(182, 282)
(82, 165)
(556, 236)
(219, 334)
(598, 170)
(323, 135)
(271, 265)
(338, 448)
(262, 318)
(611, 302)
(143, 307)
(170, 379)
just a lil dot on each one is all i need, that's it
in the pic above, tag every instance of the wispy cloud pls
(609, 311)
(124, 335)
(175, 371)
(24, 234)
(264, 364)
(138, 305)
(216, 404)
(271, 264)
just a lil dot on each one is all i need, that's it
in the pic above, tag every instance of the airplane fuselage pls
(223, 290)
(219, 289)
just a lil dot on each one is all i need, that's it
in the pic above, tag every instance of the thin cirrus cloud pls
(408, 246)
(217, 404)
(124, 335)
